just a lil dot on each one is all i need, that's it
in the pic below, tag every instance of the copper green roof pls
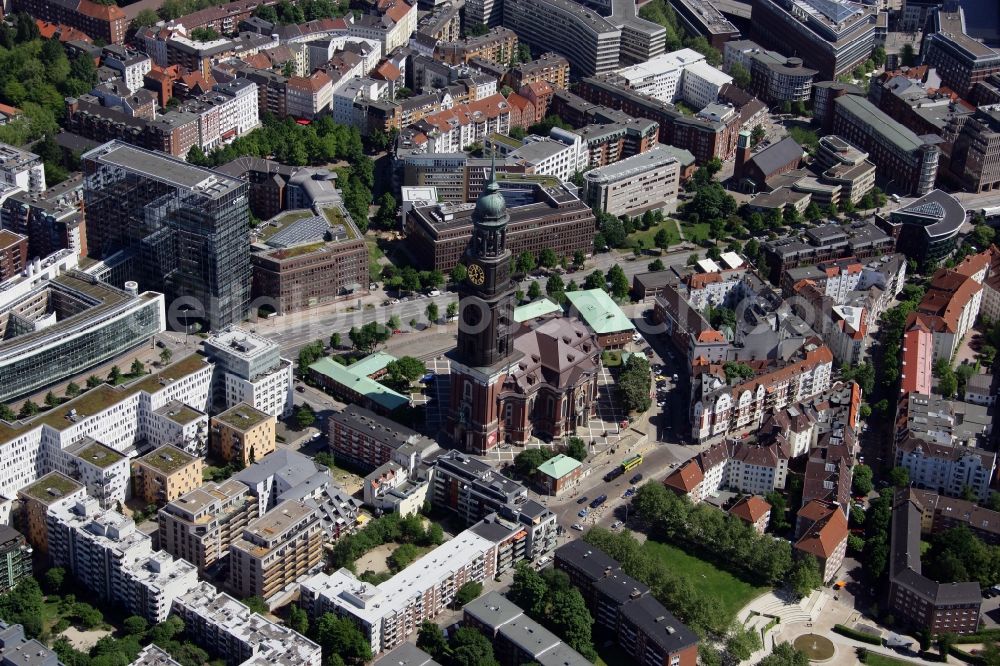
(536, 308)
(559, 466)
(359, 383)
(599, 312)
(372, 363)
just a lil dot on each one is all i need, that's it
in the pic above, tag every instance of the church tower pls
(485, 326)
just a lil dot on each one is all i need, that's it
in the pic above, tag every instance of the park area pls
(732, 593)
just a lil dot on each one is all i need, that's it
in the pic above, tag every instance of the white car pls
(636, 337)
(615, 525)
(578, 527)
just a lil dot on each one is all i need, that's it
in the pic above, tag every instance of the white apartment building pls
(591, 42)
(682, 74)
(321, 51)
(179, 425)
(702, 83)
(947, 469)
(392, 30)
(451, 130)
(104, 471)
(225, 627)
(20, 171)
(362, 88)
(115, 561)
(637, 184)
(723, 409)
(308, 96)
(117, 417)
(131, 65)
(249, 369)
(562, 154)
(228, 112)
(281, 472)
(390, 612)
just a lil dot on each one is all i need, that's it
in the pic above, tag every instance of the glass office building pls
(186, 228)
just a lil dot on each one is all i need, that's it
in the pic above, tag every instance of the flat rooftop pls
(166, 169)
(167, 459)
(243, 417)
(599, 311)
(177, 411)
(98, 455)
(52, 487)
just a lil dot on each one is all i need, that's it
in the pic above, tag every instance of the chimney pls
(742, 153)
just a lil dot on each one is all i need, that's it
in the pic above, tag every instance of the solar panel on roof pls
(306, 230)
(835, 11)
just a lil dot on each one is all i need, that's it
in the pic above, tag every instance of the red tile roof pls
(751, 509)
(827, 532)
(686, 478)
(398, 11)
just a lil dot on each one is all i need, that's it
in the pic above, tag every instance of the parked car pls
(583, 513)
(615, 525)
(636, 479)
(598, 501)
(578, 527)
(427, 379)
(582, 500)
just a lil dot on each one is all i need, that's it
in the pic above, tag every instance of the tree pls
(741, 641)
(94, 381)
(471, 648)
(613, 230)
(298, 619)
(655, 266)
(135, 625)
(528, 589)
(578, 258)
(452, 310)
(741, 77)
(548, 258)
(137, 368)
(387, 210)
(406, 368)
(432, 312)
(779, 511)
(256, 605)
(595, 280)
(6, 413)
(983, 235)
(28, 409)
(862, 482)
(459, 273)
(899, 477)
(335, 340)
(115, 375)
(555, 287)
(51, 399)
(619, 282)
(534, 290)
(855, 544)
(569, 618)
(758, 134)
(634, 384)
(165, 356)
(467, 593)
(54, 579)
(525, 262)
(576, 449)
(527, 461)
(304, 416)
(805, 576)
(369, 336)
(431, 640)
(785, 654)
(145, 18)
(906, 55)
(339, 636)
(943, 643)
(402, 557)
(662, 239)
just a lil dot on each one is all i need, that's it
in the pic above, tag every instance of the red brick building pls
(13, 254)
(104, 22)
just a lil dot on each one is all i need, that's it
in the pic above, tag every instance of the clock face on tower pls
(476, 274)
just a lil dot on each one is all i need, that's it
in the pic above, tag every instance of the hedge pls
(966, 656)
(979, 637)
(857, 635)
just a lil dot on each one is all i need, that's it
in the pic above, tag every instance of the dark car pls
(613, 474)
(635, 479)
(582, 500)
(598, 501)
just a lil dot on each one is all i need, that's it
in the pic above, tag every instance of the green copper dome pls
(491, 207)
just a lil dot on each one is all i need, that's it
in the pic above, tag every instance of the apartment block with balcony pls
(15, 558)
(226, 628)
(249, 369)
(243, 433)
(41, 498)
(165, 474)
(104, 471)
(201, 525)
(282, 546)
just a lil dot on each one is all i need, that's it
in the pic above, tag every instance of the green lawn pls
(872, 659)
(731, 592)
(697, 232)
(648, 235)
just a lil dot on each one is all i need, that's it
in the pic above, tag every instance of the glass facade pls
(66, 353)
(189, 226)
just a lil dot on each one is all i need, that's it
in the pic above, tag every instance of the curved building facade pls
(589, 41)
(70, 324)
